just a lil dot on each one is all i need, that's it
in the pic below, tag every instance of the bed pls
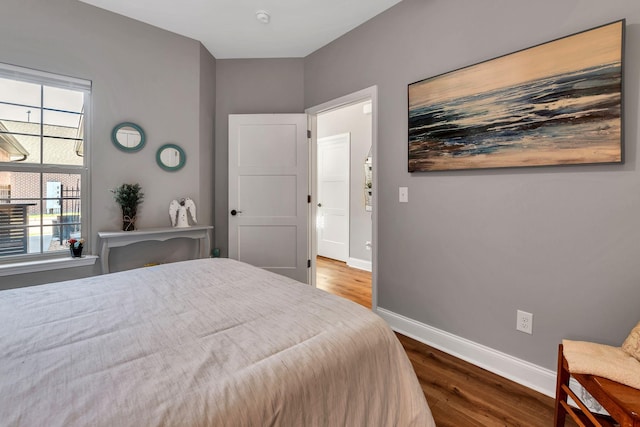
(209, 342)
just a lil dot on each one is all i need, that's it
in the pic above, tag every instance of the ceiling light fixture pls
(263, 16)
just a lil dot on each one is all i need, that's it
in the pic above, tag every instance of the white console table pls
(115, 239)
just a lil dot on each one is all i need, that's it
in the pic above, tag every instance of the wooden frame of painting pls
(556, 103)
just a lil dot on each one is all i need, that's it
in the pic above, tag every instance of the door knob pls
(319, 205)
(235, 212)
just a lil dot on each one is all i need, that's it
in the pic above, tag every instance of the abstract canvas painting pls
(557, 103)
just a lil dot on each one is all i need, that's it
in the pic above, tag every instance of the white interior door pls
(268, 191)
(333, 196)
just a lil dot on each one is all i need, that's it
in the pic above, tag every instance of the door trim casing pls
(370, 93)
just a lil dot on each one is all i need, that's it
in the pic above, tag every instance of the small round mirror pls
(171, 157)
(128, 137)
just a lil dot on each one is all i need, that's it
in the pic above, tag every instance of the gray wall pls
(157, 79)
(207, 118)
(249, 86)
(472, 247)
(352, 120)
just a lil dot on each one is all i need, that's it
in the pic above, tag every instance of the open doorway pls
(343, 218)
(345, 122)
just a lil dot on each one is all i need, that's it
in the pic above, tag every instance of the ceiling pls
(230, 29)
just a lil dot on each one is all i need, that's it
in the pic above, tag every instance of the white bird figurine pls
(178, 212)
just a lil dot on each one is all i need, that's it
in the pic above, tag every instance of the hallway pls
(337, 278)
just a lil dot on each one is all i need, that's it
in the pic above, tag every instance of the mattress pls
(210, 342)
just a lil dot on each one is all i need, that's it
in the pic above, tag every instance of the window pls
(43, 167)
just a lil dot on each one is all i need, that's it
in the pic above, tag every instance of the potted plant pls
(75, 246)
(128, 196)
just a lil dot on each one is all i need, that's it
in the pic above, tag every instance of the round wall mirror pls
(171, 157)
(128, 137)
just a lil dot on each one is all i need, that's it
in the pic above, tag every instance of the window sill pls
(46, 265)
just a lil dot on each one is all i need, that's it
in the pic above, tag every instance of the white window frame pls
(59, 259)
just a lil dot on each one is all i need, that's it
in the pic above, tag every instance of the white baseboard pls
(522, 372)
(360, 264)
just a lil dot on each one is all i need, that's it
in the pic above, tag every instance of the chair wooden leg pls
(561, 395)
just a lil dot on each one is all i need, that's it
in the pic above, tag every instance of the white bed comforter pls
(211, 342)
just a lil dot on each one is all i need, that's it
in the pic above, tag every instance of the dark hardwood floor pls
(460, 394)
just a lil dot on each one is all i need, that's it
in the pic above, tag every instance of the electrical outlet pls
(525, 322)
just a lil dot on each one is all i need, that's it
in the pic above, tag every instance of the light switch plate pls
(403, 194)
